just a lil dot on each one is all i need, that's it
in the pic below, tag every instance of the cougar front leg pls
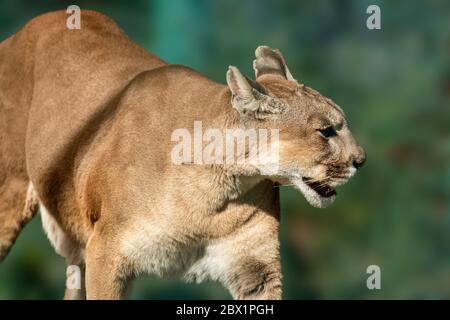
(246, 262)
(254, 269)
(104, 269)
(252, 278)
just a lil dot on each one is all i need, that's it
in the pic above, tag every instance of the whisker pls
(323, 183)
(284, 185)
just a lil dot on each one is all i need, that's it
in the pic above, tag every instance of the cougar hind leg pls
(18, 204)
(70, 250)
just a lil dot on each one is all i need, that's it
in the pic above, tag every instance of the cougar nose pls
(359, 160)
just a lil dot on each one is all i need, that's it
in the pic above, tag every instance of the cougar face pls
(317, 151)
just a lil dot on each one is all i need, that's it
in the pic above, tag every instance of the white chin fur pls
(311, 196)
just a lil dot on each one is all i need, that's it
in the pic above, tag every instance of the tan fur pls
(87, 117)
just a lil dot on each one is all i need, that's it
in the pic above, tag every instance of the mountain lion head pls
(317, 151)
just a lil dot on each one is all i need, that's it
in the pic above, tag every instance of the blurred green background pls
(394, 85)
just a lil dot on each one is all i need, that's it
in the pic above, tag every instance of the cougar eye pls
(328, 132)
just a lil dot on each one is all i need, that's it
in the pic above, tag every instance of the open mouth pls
(318, 194)
(321, 189)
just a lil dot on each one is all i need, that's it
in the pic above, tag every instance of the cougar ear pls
(249, 97)
(270, 61)
(239, 84)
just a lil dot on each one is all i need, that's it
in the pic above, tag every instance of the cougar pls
(86, 127)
